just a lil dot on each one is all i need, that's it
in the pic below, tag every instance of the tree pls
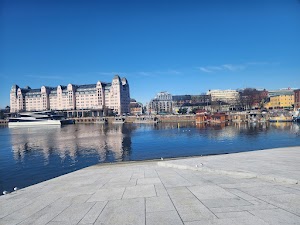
(194, 110)
(251, 97)
(182, 110)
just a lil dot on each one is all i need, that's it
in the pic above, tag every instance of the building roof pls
(31, 91)
(85, 86)
(181, 97)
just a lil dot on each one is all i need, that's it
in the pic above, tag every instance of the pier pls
(3, 122)
(259, 188)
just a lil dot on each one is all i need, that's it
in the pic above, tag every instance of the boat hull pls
(274, 121)
(35, 123)
(281, 119)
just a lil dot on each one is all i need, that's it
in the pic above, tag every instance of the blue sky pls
(184, 47)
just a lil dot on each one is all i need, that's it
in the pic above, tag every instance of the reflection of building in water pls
(295, 128)
(282, 125)
(224, 132)
(113, 142)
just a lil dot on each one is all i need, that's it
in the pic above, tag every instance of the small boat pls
(118, 120)
(37, 119)
(296, 115)
(281, 118)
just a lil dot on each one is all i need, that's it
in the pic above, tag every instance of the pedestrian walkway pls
(258, 188)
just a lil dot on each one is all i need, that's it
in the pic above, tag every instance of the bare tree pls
(251, 97)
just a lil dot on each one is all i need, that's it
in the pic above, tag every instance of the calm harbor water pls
(32, 155)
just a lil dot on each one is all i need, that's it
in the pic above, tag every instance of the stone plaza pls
(257, 188)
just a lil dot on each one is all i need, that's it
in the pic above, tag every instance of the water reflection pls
(31, 155)
(111, 142)
(232, 130)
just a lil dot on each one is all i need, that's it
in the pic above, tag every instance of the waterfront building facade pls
(136, 108)
(228, 96)
(283, 91)
(162, 103)
(114, 96)
(297, 99)
(281, 101)
(180, 100)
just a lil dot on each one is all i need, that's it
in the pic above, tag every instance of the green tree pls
(182, 110)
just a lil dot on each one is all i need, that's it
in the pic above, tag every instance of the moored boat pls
(296, 115)
(281, 118)
(37, 119)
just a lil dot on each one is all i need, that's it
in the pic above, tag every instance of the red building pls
(297, 99)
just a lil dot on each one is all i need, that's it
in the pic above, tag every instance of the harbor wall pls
(3, 122)
(132, 119)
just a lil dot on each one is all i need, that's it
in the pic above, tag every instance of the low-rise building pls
(281, 101)
(297, 99)
(179, 100)
(162, 103)
(228, 96)
(136, 108)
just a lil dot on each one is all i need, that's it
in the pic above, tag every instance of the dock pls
(3, 122)
(250, 188)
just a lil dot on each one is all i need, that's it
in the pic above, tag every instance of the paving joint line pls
(170, 199)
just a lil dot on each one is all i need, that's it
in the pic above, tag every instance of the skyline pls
(183, 47)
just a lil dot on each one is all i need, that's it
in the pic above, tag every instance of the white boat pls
(37, 119)
(281, 118)
(296, 115)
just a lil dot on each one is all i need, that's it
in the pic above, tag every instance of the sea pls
(31, 155)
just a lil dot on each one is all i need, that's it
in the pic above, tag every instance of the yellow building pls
(281, 101)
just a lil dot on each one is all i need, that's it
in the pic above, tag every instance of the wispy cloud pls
(205, 69)
(232, 67)
(224, 67)
(143, 73)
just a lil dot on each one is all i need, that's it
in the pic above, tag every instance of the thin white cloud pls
(232, 67)
(215, 67)
(143, 73)
(203, 69)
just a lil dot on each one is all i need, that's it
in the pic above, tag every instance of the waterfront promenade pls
(258, 188)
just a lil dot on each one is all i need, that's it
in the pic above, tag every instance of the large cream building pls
(114, 95)
(228, 96)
